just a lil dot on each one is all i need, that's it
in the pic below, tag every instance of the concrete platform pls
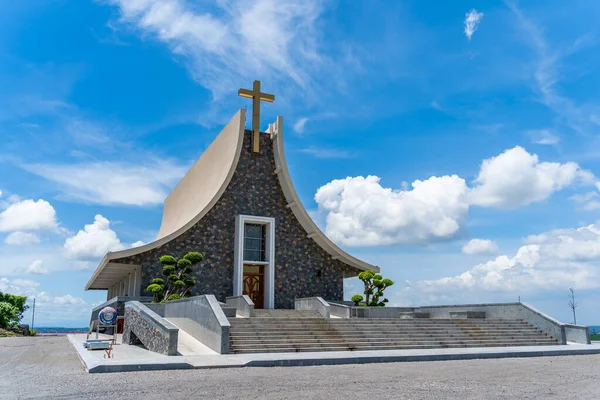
(133, 358)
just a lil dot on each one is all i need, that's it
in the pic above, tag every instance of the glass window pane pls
(253, 231)
(253, 244)
(252, 255)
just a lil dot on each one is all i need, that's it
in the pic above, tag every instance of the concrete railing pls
(203, 318)
(313, 303)
(347, 309)
(153, 331)
(158, 308)
(243, 304)
(562, 332)
(339, 310)
(577, 334)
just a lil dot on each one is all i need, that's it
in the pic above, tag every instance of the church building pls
(237, 206)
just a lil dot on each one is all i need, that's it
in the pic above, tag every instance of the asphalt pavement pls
(48, 368)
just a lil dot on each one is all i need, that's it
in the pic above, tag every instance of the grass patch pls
(5, 333)
(595, 337)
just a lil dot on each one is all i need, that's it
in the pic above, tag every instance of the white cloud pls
(19, 238)
(36, 268)
(28, 215)
(26, 283)
(320, 152)
(113, 183)
(67, 299)
(589, 201)
(543, 136)
(300, 124)
(49, 309)
(137, 244)
(235, 42)
(480, 246)
(548, 262)
(546, 74)
(516, 178)
(19, 287)
(472, 22)
(94, 241)
(361, 212)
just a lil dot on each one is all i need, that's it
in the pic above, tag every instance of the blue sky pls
(455, 144)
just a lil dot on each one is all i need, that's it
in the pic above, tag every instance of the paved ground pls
(48, 368)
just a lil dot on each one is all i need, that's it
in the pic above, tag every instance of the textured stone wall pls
(302, 268)
(145, 326)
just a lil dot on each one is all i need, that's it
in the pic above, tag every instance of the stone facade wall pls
(145, 326)
(302, 267)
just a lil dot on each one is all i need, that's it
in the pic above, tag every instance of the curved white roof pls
(201, 188)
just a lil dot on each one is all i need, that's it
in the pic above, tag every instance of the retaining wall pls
(243, 304)
(154, 332)
(203, 318)
(313, 303)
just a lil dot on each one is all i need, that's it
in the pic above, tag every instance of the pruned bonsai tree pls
(177, 283)
(375, 284)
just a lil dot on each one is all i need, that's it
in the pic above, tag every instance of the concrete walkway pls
(133, 358)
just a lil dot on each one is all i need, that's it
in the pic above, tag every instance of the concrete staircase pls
(276, 331)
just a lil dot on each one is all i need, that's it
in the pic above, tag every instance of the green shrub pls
(5, 333)
(9, 315)
(12, 308)
(357, 298)
(32, 332)
(157, 290)
(194, 257)
(167, 260)
(173, 296)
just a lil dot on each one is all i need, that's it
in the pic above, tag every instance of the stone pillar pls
(131, 289)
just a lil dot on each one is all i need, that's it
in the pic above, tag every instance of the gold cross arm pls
(250, 94)
(257, 96)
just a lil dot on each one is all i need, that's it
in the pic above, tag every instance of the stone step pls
(360, 321)
(270, 314)
(382, 337)
(372, 327)
(326, 328)
(409, 347)
(316, 316)
(259, 329)
(362, 343)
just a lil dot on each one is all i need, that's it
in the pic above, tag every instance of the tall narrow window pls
(254, 242)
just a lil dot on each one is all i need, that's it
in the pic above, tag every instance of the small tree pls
(572, 304)
(11, 309)
(375, 284)
(177, 284)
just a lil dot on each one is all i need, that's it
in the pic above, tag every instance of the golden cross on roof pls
(256, 95)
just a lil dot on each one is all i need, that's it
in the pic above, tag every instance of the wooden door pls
(254, 285)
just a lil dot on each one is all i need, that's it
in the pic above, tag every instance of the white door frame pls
(238, 267)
